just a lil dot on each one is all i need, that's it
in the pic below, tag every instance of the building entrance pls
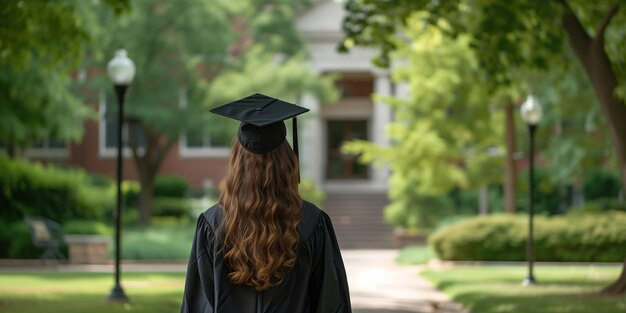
(341, 165)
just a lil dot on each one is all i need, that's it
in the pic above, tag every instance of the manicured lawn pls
(86, 292)
(415, 255)
(498, 289)
(157, 242)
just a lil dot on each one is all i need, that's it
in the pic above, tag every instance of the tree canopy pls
(445, 134)
(507, 36)
(513, 37)
(191, 55)
(40, 42)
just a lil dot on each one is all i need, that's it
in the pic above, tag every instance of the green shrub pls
(130, 190)
(172, 207)
(600, 205)
(86, 227)
(97, 179)
(600, 183)
(16, 242)
(170, 221)
(170, 186)
(548, 195)
(452, 219)
(130, 216)
(581, 238)
(421, 212)
(28, 188)
(309, 191)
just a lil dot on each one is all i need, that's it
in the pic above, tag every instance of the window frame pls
(103, 150)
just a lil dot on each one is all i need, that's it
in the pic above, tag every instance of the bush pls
(48, 191)
(130, 190)
(600, 183)
(170, 186)
(309, 191)
(548, 195)
(16, 242)
(86, 227)
(599, 206)
(576, 238)
(172, 207)
(421, 212)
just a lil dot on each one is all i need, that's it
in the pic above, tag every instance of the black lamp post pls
(121, 70)
(531, 114)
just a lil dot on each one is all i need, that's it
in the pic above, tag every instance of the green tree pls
(434, 147)
(519, 34)
(40, 42)
(192, 55)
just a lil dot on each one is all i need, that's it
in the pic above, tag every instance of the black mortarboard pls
(262, 128)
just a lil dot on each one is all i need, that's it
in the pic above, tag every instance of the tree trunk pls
(618, 287)
(148, 165)
(146, 181)
(11, 150)
(510, 170)
(591, 54)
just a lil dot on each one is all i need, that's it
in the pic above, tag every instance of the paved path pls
(378, 285)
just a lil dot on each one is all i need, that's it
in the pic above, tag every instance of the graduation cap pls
(262, 128)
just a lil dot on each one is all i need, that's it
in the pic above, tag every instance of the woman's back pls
(316, 282)
(263, 249)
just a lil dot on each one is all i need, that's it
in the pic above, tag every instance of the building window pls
(53, 148)
(203, 139)
(108, 129)
(201, 142)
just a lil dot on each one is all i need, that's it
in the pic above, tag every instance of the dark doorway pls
(341, 165)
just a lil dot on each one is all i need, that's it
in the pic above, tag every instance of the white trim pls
(46, 152)
(59, 153)
(188, 152)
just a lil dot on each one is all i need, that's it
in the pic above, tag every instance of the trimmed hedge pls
(171, 207)
(599, 206)
(86, 227)
(575, 238)
(58, 194)
(601, 183)
(170, 186)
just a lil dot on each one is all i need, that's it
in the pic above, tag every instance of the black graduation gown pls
(317, 283)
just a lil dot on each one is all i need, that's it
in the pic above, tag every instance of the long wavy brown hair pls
(261, 215)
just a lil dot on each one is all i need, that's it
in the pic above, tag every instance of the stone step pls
(358, 220)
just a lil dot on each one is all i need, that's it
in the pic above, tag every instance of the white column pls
(311, 142)
(382, 116)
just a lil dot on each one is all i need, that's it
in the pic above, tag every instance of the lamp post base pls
(529, 281)
(117, 295)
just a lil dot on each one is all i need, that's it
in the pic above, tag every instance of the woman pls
(262, 248)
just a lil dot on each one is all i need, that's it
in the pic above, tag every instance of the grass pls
(498, 289)
(56, 292)
(415, 255)
(157, 242)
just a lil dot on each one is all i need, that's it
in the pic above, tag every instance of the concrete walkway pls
(377, 284)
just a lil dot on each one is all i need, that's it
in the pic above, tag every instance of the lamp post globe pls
(531, 113)
(121, 71)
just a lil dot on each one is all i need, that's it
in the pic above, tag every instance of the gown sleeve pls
(199, 295)
(329, 283)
